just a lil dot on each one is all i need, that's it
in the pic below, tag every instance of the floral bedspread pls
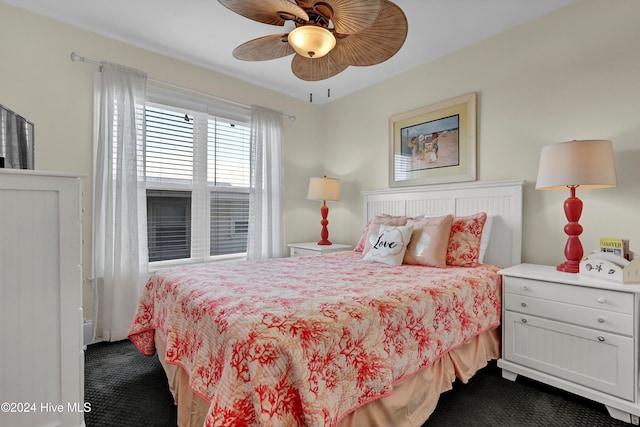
(304, 341)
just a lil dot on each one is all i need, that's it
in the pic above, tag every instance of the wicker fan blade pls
(349, 16)
(271, 12)
(315, 69)
(264, 48)
(377, 43)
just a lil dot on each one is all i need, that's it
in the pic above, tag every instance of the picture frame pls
(435, 144)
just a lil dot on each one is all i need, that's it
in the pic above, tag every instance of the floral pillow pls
(429, 241)
(390, 244)
(363, 237)
(464, 241)
(374, 227)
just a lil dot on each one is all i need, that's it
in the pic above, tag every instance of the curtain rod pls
(75, 57)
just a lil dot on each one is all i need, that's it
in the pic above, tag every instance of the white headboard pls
(500, 198)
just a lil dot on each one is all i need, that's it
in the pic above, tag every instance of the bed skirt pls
(413, 400)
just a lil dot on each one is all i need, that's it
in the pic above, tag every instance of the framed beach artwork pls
(435, 144)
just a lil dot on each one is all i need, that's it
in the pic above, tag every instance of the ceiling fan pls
(329, 35)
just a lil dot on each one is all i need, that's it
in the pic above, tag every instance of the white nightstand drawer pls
(312, 248)
(602, 299)
(303, 252)
(595, 359)
(604, 320)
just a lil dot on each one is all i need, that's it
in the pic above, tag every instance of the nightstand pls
(572, 332)
(313, 248)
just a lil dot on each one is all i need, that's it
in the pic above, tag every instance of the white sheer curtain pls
(266, 203)
(120, 237)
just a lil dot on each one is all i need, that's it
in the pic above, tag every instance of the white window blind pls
(228, 154)
(169, 146)
(198, 174)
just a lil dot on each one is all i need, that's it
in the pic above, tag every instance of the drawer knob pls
(601, 300)
(524, 288)
(523, 304)
(601, 338)
(600, 320)
(524, 320)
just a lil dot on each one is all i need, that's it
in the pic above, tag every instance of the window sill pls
(159, 265)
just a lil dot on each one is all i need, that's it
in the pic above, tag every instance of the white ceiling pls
(203, 32)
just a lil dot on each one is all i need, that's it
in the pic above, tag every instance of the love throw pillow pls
(389, 245)
(374, 228)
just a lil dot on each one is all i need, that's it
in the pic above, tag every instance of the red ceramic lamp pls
(587, 164)
(324, 189)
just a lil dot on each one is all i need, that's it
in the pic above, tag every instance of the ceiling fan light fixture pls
(329, 35)
(311, 41)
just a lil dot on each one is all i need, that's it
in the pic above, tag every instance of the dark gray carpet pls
(490, 400)
(126, 389)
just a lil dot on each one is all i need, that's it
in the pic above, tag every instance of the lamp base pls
(324, 234)
(569, 267)
(573, 248)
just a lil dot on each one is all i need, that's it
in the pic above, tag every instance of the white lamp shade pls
(311, 41)
(324, 189)
(588, 164)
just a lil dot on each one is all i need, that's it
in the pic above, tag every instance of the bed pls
(333, 340)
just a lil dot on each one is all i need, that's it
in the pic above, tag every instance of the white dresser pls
(575, 333)
(41, 356)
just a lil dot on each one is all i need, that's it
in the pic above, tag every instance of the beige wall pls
(39, 81)
(573, 74)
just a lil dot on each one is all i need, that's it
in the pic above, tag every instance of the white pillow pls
(484, 240)
(390, 244)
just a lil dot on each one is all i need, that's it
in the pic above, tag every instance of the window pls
(197, 169)
(168, 224)
(229, 222)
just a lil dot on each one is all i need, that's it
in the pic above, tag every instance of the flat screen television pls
(16, 140)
